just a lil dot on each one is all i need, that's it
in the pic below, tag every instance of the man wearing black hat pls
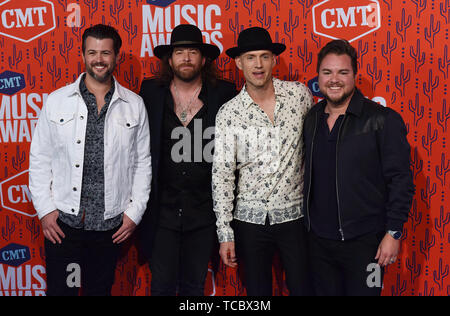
(258, 135)
(178, 232)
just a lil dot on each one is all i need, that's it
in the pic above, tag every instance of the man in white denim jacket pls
(90, 169)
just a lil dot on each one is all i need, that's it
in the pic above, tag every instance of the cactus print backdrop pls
(404, 62)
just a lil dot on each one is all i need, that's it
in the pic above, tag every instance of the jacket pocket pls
(63, 126)
(62, 118)
(127, 123)
(126, 129)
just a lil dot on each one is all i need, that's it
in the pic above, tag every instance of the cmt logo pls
(161, 3)
(313, 86)
(350, 19)
(11, 82)
(26, 20)
(14, 255)
(15, 195)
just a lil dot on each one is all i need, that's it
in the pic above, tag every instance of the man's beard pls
(341, 100)
(105, 77)
(187, 76)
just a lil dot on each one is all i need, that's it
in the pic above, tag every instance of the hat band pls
(258, 46)
(186, 43)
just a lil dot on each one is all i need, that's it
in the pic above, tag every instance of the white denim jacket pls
(57, 154)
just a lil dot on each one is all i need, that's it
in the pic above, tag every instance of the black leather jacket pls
(374, 182)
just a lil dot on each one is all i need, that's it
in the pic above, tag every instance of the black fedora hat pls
(255, 38)
(187, 35)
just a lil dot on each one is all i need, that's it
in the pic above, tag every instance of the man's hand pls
(125, 231)
(388, 251)
(51, 229)
(228, 254)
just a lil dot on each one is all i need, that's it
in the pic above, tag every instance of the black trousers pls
(256, 246)
(179, 262)
(346, 268)
(95, 255)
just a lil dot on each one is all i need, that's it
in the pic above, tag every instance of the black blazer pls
(154, 94)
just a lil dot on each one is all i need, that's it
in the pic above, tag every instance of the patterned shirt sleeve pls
(309, 99)
(223, 177)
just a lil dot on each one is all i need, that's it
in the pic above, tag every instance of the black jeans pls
(95, 255)
(346, 268)
(179, 261)
(256, 246)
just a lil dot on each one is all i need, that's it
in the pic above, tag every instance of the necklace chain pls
(184, 112)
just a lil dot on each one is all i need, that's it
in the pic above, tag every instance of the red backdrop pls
(404, 64)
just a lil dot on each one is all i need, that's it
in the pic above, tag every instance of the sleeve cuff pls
(42, 214)
(225, 236)
(394, 225)
(135, 216)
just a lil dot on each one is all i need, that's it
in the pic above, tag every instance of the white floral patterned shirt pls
(267, 156)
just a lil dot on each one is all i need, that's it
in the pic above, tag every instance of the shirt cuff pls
(225, 235)
(394, 225)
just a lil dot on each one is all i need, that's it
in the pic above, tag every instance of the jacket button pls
(61, 120)
(74, 189)
(73, 211)
(77, 166)
(128, 124)
(81, 117)
(78, 141)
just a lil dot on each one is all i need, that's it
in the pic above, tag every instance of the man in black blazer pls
(178, 230)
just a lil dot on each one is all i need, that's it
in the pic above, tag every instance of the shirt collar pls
(119, 91)
(203, 95)
(279, 92)
(84, 90)
(356, 103)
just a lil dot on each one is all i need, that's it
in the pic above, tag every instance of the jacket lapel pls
(212, 105)
(156, 121)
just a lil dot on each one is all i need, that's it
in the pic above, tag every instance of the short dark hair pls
(101, 31)
(339, 47)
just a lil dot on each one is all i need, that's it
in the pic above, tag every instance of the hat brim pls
(207, 50)
(275, 48)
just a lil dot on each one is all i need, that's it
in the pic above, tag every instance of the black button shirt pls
(92, 204)
(324, 208)
(186, 194)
